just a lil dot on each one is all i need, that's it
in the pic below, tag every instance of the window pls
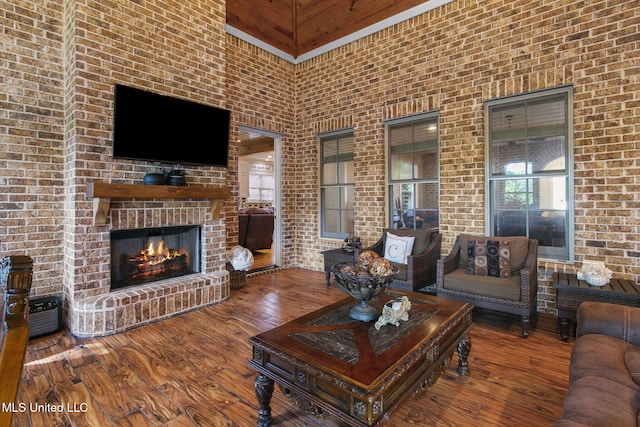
(413, 171)
(336, 184)
(529, 182)
(261, 187)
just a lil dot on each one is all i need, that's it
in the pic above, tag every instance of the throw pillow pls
(480, 258)
(471, 257)
(505, 259)
(489, 258)
(398, 248)
(493, 258)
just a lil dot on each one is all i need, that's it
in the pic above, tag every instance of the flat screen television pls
(161, 129)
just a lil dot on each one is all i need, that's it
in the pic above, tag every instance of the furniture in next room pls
(15, 277)
(336, 256)
(255, 228)
(328, 364)
(604, 371)
(571, 292)
(497, 273)
(419, 268)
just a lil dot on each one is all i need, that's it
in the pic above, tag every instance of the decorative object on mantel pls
(352, 243)
(364, 284)
(393, 312)
(595, 273)
(177, 177)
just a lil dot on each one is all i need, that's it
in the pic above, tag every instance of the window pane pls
(332, 198)
(332, 221)
(545, 153)
(329, 150)
(401, 166)
(426, 205)
(329, 173)
(345, 172)
(505, 154)
(348, 194)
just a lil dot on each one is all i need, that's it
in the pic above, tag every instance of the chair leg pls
(525, 326)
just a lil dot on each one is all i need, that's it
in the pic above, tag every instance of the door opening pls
(259, 181)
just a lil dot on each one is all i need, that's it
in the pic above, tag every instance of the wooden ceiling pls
(299, 26)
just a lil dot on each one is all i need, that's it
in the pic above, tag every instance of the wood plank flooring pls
(191, 370)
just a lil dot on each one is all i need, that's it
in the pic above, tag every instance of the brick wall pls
(454, 58)
(31, 137)
(57, 130)
(55, 122)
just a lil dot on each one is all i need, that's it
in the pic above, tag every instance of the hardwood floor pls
(191, 370)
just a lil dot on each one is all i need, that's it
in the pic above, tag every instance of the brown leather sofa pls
(604, 374)
(255, 228)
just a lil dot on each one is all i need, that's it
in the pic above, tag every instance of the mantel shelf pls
(103, 192)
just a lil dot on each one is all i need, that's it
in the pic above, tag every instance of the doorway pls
(259, 192)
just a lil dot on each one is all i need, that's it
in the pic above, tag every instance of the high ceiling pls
(299, 26)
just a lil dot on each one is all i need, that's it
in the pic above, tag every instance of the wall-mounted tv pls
(155, 128)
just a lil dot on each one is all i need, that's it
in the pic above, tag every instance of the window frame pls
(412, 182)
(567, 253)
(322, 138)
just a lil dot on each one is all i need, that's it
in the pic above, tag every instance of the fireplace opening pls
(146, 255)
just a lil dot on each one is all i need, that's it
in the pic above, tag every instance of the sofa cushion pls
(593, 401)
(519, 249)
(632, 360)
(422, 237)
(495, 287)
(397, 248)
(595, 355)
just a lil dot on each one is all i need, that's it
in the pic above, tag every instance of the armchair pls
(420, 269)
(515, 291)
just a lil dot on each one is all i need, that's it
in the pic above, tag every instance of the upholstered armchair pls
(497, 273)
(420, 268)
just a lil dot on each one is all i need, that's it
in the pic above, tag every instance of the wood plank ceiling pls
(299, 26)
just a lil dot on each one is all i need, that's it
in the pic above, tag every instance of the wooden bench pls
(15, 277)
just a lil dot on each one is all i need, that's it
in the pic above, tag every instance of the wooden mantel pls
(103, 192)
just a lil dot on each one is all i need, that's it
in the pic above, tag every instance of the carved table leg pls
(264, 390)
(464, 347)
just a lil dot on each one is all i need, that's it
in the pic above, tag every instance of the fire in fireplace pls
(146, 255)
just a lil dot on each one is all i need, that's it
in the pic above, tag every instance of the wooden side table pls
(335, 256)
(571, 292)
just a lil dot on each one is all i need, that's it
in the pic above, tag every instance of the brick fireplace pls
(95, 309)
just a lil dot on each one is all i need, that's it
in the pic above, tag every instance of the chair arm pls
(618, 321)
(529, 273)
(377, 247)
(448, 264)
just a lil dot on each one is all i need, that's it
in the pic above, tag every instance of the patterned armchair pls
(509, 284)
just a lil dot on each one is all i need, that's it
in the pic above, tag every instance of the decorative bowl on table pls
(595, 279)
(362, 283)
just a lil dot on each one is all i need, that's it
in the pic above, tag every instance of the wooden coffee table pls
(329, 364)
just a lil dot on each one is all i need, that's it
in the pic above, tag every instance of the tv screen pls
(161, 129)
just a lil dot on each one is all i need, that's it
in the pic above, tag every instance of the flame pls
(154, 256)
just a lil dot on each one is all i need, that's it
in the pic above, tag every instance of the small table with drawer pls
(571, 292)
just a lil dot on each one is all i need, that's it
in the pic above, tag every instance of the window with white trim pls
(414, 177)
(529, 169)
(336, 184)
